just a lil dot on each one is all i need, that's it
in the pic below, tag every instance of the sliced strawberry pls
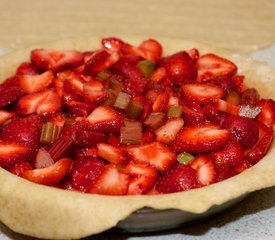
(231, 155)
(100, 61)
(151, 49)
(161, 103)
(74, 87)
(42, 103)
(206, 171)
(10, 91)
(94, 91)
(211, 65)
(179, 178)
(201, 138)
(167, 133)
(26, 68)
(148, 137)
(143, 177)
(43, 159)
(267, 115)
(225, 173)
(20, 167)
(243, 129)
(258, 151)
(227, 83)
(156, 154)
(89, 138)
(110, 182)
(111, 154)
(54, 60)
(23, 130)
(192, 117)
(35, 83)
(112, 44)
(201, 92)
(180, 67)
(84, 172)
(226, 107)
(12, 153)
(105, 119)
(50, 175)
(5, 115)
(158, 75)
(194, 54)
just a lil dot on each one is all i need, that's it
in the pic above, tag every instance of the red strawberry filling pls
(125, 120)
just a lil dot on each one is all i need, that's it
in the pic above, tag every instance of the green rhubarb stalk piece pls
(135, 109)
(185, 158)
(174, 111)
(155, 120)
(116, 85)
(110, 100)
(50, 132)
(131, 133)
(146, 67)
(122, 102)
(103, 75)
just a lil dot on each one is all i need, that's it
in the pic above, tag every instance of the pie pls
(91, 133)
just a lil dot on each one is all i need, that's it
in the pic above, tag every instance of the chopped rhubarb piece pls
(111, 154)
(174, 111)
(50, 175)
(155, 120)
(50, 132)
(110, 99)
(61, 147)
(103, 75)
(116, 85)
(146, 67)
(167, 133)
(43, 159)
(135, 109)
(122, 102)
(233, 98)
(131, 133)
(156, 154)
(185, 158)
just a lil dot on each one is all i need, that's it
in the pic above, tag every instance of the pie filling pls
(126, 120)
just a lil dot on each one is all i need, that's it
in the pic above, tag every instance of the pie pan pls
(47, 212)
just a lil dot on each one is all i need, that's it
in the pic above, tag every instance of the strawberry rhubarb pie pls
(125, 120)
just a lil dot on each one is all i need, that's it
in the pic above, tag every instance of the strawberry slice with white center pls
(11, 153)
(46, 102)
(94, 91)
(156, 154)
(50, 175)
(179, 178)
(224, 106)
(211, 65)
(202, 93)
(201, 138)
(35, 83)
(110, 182)
(105, 119)
(74, 86)
(111, 154)
(5, 115)
(56, 61)
(205, 169)
(151, 49)
(267, 115)
(167, 133)
(143, 177)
